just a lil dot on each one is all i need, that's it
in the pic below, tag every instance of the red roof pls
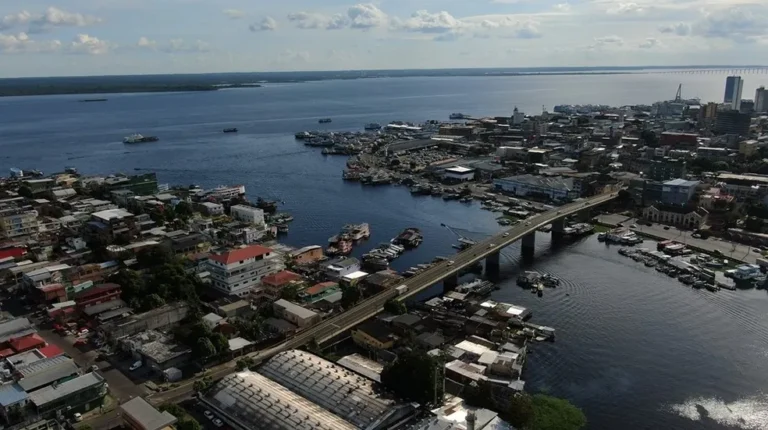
(51, 351)
(319, 288)
(97, 290)
(50, 287)
(14, 252)
(25, 343)
(240, 254)
(281, 278)
(7, 352)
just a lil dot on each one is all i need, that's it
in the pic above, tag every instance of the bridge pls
(446, 272)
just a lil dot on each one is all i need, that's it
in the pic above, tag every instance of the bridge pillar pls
(528, 245)
(558, 228)
(450, 283)
(492, 265)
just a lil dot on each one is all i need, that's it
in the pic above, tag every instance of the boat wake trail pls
(748, 414)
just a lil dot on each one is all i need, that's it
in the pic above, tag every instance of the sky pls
(98, 37)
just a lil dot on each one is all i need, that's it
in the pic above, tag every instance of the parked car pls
(77, 417)
(208, 414)
(135, 366)
(217, 422)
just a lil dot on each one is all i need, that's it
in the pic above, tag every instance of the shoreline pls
(33, 90)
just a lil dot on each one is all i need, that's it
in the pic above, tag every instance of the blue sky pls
(92, 37)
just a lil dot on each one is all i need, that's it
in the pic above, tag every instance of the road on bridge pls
(329, 328)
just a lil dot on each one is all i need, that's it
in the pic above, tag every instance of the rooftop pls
(10, 394)
(281, 278)
(55, 393)
(241, 254)
(363, 366)
(376, 329)
(146, 415)
(294, 309)
(50, 375)
(681, 183)
(459, 169)
(111, 214)
(305, 249)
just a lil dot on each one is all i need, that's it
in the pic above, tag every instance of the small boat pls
(458, 116)
(137, 138)
(373, 126)
(92, 100)
(282, 228)
(230, 130)
(324, 120)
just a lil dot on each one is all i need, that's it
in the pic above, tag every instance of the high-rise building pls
(761, 100)
(732, 122)
(733, 87)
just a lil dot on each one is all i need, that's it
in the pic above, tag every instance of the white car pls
(506, 234)
(135, 366)
(208, 414)
(528, 224)
(77, 417)
(450, 262)
(217, 422)
(491, 245)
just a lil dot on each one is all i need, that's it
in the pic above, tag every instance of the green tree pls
(395, 307)
(183, 210)
(551, 413)
(350, 296)
(202, 385)
(189, 424)
(15, 414)
(204, 348)
(245, 363)
(290, 292)
(415, 376)
(649, 137)
(154, 256)
(173, 409)
(220, 342)
(152, 301)
(131, 283)
(721, 166)
(84, 427)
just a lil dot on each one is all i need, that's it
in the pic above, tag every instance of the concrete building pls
(295, 314)
(157, 351)
(713, 154)
(678, 192)
(748, 148)
(239, 271)
(16, 222)
(733, 89)
(80, 394)
(138, 414)
(666, 169)
(336, 269)
(212, 209)
(761, 100)
(248, 400)
(373, 335)
(733, 122)
(308, 254)
(274, 284)
(683, 216)
(743, 186)
(110, 224)
(459, 174)
(247, 214)
(160, 318)
(11, 396)
(553, 188)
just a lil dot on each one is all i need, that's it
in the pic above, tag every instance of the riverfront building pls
(239, 271)
(247, 214)
(554, 188)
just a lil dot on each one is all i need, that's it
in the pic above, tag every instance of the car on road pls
(559, 212)
(491, 245)
(506, 234)
(757, 250)
(217, 422)
(528, 224)
(135, 366)
(633, 226)
(208, 414)
(696, 236)
(450, 262)
(666, 227)
(77, 417)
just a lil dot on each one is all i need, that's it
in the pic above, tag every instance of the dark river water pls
(635, 349)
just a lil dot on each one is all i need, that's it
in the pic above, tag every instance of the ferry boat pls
(373, 126)
(230, 130)
(324, 120)
(302, 135)
(137, 138)
(409, 238)
(338, 246)
(458, 116)
(282, 228)
(357, 231)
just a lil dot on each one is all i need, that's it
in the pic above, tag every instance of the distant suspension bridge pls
(711, 71)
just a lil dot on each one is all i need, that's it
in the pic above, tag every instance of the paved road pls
(728, 249)
(329, 328)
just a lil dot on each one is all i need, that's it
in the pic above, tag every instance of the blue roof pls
(11, 394)
(682, 183)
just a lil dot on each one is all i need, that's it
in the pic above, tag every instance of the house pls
(11, 396)
(247, 214)
(308, 254)
(374, 335)
(138, 414)
(319, 291)
(97, 295)
(336, 269)
(26, 343)
(684, 216)
(79, 394)
(295, 314)
(157, 350)
(47, 372)
(274, 284)
(211, 209)
(239, 271)
(239, 308)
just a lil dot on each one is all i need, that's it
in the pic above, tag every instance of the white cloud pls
(313, 21)
(562, 7)
(607, 41)
(234, 13)
(366, 15)
(173, 46)
(55, 17)
(85, 44)
(16, 19)
(425, 22)
(266, 24)
(739, 24)
(680, 29)
(146, 43)
(650, 43)
(626, 9)
(21, 44)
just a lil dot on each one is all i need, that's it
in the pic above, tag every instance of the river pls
(635, 349)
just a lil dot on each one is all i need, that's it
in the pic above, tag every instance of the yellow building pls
(373, 334)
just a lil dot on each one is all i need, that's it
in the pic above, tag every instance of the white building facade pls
(239, 271)
(247, 214)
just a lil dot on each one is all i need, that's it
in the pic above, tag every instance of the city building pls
(459, 174)
(748, 148)
(16, 222)
(138, 414)
(247, 400)
(157, 351)
(337, 269)
(308, 254)
(666, 169)
(679, 140)
(11, 396)
(732, 122)
(335, 389)
(239, 271)
(108, 225)
(743, 186)
(708, 112)
(678, 192)
(247, 214)
(45, 373)
(373, 335)
(733, 88)
(274, 284)
(128, 325)
(79, 394)
(761, 100)
(97, 295)
(553, 188)
(319, 291)
(684, 216)
(211, 208)
(295, 314)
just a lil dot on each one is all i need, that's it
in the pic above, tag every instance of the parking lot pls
(198, 412)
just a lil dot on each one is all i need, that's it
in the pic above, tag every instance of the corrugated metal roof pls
(10, 394)
(50, 394)
(146, 415)
(49, 376)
